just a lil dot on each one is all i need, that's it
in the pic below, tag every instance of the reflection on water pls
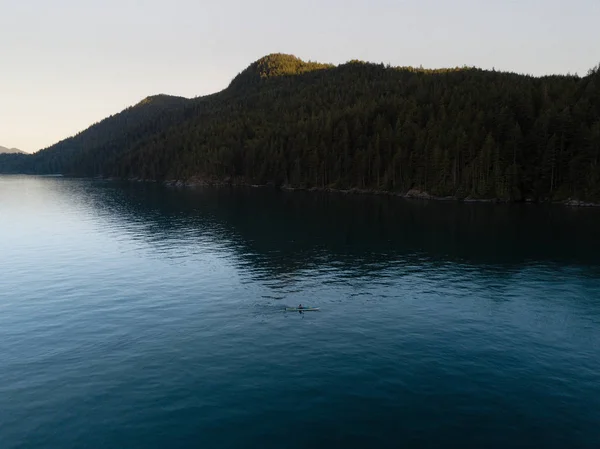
(134, 315)
(295, 230)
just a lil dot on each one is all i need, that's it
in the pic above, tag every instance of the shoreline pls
(415, 194)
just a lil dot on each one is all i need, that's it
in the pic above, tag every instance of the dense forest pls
(461, 132)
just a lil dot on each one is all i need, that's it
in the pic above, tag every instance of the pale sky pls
(65, 64)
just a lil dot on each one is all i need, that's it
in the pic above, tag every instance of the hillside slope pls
(4, 150)
(96, 148)
(460, 132)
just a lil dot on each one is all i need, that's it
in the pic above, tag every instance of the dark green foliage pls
(14, 163)
(96, 149)
(275, 65)
(459, 132)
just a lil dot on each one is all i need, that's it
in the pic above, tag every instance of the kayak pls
(303, 309)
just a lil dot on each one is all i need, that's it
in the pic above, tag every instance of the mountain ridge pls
(275, 65)
(460, 132)
(4, 150)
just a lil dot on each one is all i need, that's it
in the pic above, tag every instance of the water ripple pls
(136, 316)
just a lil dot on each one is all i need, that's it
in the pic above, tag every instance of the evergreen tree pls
(460, 132)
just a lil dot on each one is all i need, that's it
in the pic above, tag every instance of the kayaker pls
(300, 306)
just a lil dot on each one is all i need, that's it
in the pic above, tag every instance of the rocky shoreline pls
(410, 194)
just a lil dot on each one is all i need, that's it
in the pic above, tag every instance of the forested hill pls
(460, 132)
(101, 144)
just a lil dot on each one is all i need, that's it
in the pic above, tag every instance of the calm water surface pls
(136, 316)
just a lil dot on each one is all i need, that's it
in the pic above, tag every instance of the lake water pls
(138, 316)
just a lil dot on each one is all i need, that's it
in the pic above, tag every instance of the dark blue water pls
(134, 316)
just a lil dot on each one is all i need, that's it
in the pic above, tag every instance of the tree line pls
(460, 132)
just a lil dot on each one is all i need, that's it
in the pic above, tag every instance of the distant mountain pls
(459, 132)
(4, 150)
